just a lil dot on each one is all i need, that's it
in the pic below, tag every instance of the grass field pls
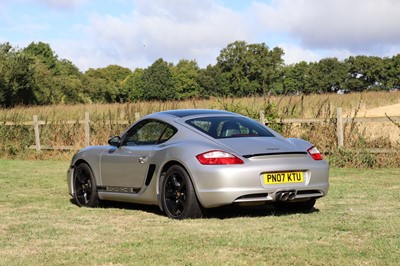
(356, 224)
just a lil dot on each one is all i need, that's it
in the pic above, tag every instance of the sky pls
(135, 33)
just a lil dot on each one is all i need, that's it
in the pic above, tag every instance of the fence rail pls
(339, 120)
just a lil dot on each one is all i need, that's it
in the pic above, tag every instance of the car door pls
(125, 167)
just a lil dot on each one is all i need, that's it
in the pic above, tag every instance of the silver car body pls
(132, 173)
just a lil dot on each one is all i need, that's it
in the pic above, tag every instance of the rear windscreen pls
(229, 127)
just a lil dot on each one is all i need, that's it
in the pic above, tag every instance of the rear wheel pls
(301, 206)
(178, 197)
(85, 191)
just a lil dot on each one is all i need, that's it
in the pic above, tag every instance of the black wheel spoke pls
(172, 206)
(169, 194)
(181, 203)
(175, 182)
(85, 197)
(78, 190)
(80, 198)
(182, 189)
(81, 177)
(178, 207)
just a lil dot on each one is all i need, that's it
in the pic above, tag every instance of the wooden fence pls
(340, 120)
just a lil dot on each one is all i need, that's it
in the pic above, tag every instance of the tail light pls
(314, 153)
(218, 157)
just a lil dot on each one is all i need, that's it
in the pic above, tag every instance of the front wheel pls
(85, 191)
(178, 197)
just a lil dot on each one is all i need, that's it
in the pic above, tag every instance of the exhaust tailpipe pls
(286, 196)
(292, 195)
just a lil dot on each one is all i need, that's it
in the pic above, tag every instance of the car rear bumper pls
(219, 185)
(214, 198)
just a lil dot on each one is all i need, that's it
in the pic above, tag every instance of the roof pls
(190, 112)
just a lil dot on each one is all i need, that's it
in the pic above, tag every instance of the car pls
(190, 160)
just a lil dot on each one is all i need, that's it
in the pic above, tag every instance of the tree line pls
(34, 75)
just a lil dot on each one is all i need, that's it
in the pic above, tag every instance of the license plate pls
(283, 178)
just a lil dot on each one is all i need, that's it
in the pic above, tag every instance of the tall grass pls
(296, 106)
(104, 122)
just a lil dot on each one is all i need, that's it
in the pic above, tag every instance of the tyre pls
(300, 206)
(178, 197)
(85, 191)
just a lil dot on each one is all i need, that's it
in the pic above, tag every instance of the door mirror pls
(115, 141)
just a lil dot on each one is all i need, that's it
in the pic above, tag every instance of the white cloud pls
(294, 54)
(87, 55)
(356, 25)
(134, 33)
(172, 30)
(61, 4)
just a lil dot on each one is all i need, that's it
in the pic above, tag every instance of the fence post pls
(262, 117)
(37, 132)
(339, 125)
(87, 129)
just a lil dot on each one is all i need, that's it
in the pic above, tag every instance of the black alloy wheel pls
(85, 191)
(178, 197)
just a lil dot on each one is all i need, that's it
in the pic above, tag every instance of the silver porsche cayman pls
(186, 161)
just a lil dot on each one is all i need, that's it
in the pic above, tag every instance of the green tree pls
(392, 72)
(47, 91)
(186, 74)
(213, 82)
(294, 79)
(251, 69)
(43, 52)
(4, 50)
(16, 78)
(158, 82)
(233, 62)
(106, 84)
(328, 75)
(132, 86)
(2, 90)
(266, 67)
(58, 81)
(365, 73)
(96, 88)
(312, 84)
(69, 80)
(375, 73)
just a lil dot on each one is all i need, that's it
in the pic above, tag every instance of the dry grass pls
(307, 106)
(104, 120)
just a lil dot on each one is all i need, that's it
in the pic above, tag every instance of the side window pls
(147, 132)
(168, 133)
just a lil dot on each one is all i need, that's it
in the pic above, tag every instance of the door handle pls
(142, 159)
